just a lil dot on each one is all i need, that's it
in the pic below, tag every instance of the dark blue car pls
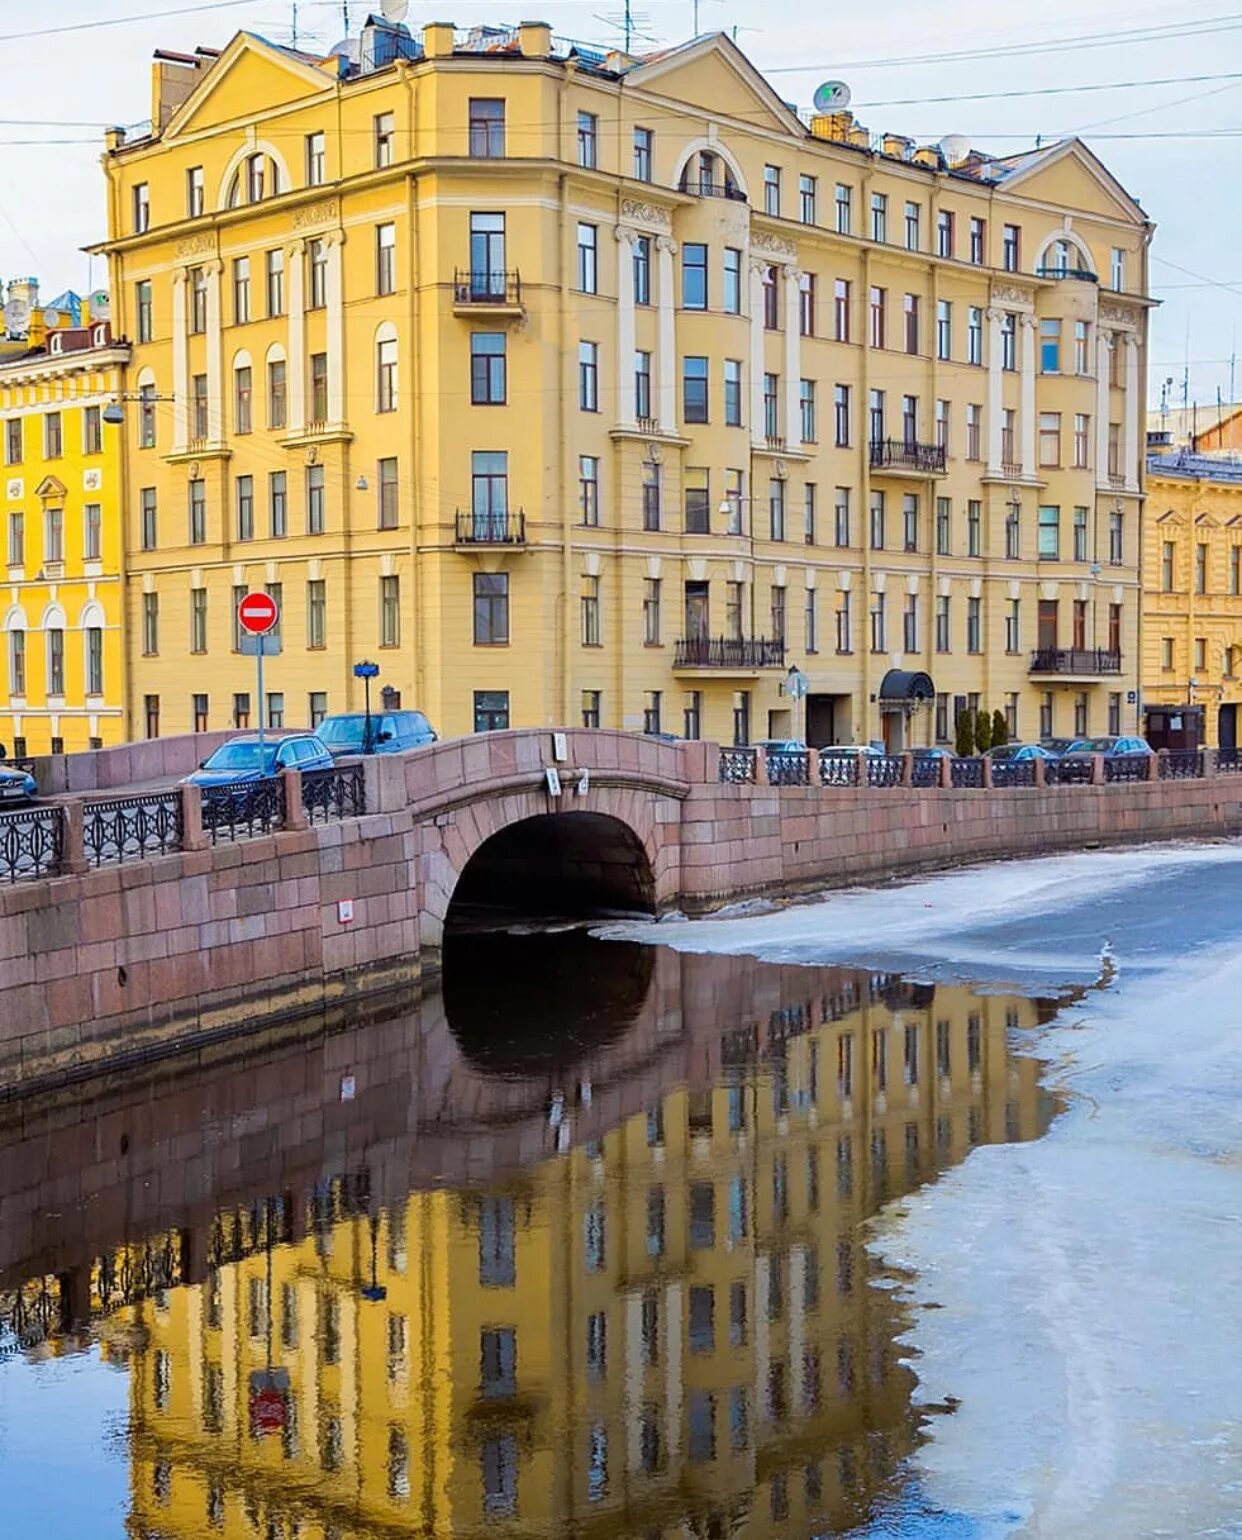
(16, 787)
(242, 759)
(392, 732)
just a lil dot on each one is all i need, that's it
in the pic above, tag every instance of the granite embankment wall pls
(157, 954)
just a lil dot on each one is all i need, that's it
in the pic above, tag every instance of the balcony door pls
(487, 256)
(697, 612)
(1047, 633)
(489, 482)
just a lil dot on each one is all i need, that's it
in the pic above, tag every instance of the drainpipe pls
(568, 393)
(864, 478)
(419, 669)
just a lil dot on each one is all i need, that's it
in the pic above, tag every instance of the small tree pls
(983, 731)
(964, 730)
(1000, 730)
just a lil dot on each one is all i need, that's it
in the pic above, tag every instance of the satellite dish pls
(51, 319)
(394, 10)
(955, 148)
(17, 317)
(832, 96)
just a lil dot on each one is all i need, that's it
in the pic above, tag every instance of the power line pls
(994, 96)
(121, 21)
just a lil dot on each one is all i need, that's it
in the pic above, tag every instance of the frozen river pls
(1075, 1300)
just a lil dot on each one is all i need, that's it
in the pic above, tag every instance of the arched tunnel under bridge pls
(554, 866)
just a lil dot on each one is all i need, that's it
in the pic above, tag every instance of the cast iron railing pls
(737, 766)
(32, 843)
(484, 287)
(966, 773)
(700, 189)
(925, 771)
(1075, 660)
(839, 769)
(490, 528)
(906, 455)
(1181, 765)
(727, 652)
(239, 809)
(329, 795)
(128, 828)
(788, 767)
(1083, 274)
(883, 769)
(1228, 761)
(1013, 772)
(1125, 767)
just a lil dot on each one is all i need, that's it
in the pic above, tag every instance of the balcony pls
(1075, 662)
(698, 188)
(490, 293)
(736, 655)
(1082, 274)
(906, 457)
(479, 529)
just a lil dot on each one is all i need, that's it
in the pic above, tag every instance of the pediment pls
(1071, 175)
(51, 490)
(250, 78)
(1172, 518)
(714, 75)
(1206, 521)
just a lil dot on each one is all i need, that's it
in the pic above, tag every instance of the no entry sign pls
(257, 614)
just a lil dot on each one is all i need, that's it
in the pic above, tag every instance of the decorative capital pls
(666, 243)
(625, 234)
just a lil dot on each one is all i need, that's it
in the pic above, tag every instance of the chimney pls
(438, 39)
(534, 39)
(173, 78)
(832, 125)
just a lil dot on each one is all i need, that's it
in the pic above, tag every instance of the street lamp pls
(114, 413)
(366, 672)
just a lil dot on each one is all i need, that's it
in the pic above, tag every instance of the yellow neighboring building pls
(1192, 590)
(574, 387)
(62, 678)
(666, 1331)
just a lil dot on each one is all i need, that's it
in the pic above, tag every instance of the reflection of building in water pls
(665, 1331)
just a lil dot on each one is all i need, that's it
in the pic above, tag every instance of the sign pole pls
(259, 661)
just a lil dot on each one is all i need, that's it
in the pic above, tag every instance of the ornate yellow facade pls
(575, 387)
(62, 683)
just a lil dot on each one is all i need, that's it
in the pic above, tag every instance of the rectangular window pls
(841, 416)
(588, 140)
(140, 199)
(1082, 347)
(733, 392)
(278, 504)
(385, 138)
(698, 501)
(1050, 439)
(642, 270)
(806, 404)
(879, 622)
(643, 145)
(974, 335)
(771, 299)
(944, 329)
(1080, 534)
(974, 625)
(806, 305)
(244, 496)
(147, 505)
(844, 628)
(1235, 569)
(841, 309)
(1012, 627)
(779, 595)
(146, 417)
(651, 612)
(388, 515)
(844, 205)
(198, 299)
(92, 430)
(92, 519)
(1118, 268)
(772, 190)
(910, 521)
(876, 306)
(241, 290)
(316, 613)
(776, 508)
(913, 217)
(385, 258)
(1082, 440)
(488, 380)
(910, 309)
(390, 612)
(241, 400)
(588, 489)
(199, 420)
(276, 393)
(588, 376)
(487, 127)
(316, 173)
(386, 375)
(944, 233)
(275, 282)
(978, 241)
(694, 390)
(732, 281)
(317, 260)
(877, 520)
(910, 421)
(651, 495)
(194, 192)
(875, 417)
(1050, 345)
(143, 310)
(17, 538)
(1114, 451)
(53, 438)
(974, 528)
(942, 424)
(806, 199)
(1201, 567)
(1009, 340)
(319, 387)
(1011, 251)
(315, 492)
(591, 631)
(198, 511)
(879, 217)
(1166, 567)
(642, 387)
(942, 623)
(491, 609)
(588, 258)
(1049, 547)
(150, 625)
(1078, 635)
(198, 620)
(811, 620)
(1166, 652)
(733, 498)
(694, 276)
(809, 500)
(1013, 531)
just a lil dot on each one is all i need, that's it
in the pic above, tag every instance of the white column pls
(1103, 351)
(1027, 326)
(625, 325)
(1133, 406)
(666, 375)
(757, 269)
(295, 367)
(995, 392)
(672, 1371)
(336, 328)
(215, 356)
(793, 358)
(181, 361)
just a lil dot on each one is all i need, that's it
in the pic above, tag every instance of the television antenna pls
(631, 24)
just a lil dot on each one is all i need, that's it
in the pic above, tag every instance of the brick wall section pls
(182, 949)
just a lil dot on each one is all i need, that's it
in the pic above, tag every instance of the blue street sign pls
(366, 670)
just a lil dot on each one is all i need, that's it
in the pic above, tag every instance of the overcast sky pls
(51, 193)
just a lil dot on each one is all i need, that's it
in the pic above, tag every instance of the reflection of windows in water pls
(847, 1467)
(498, 1363)
(778, 1392)
(290, 1444)
(812, 1081)
(396, 1240)
(257, 1291)
(655, 1124)
(975, 1131)
(780, 1087)
(879, 1059)
(944, 1057)
(845, 1365)
(702, 1424)
(702, 1216)
(1011, 1121)
(499, 1461)
(739, 1216)
(593, 1235)
(737, 1314)
(651, 1328)
(215, 1503)
(161, 1481)
(651, 1447)
(597, 1345)
(702, 1318)
(780, 1496)
(879, 1150)
(812, 1179)
(776, 1286)
(288, 1316)
(213, 1299)
(780, 1187)
(331, 1443)
(1011, 1020)
(810, 1380)
(330, 1327)
(213, 1398)
(845, 1268)
(845, 1064)
(739, 1417)
(845, 1166)
(162, 1376)
(973, 1043)
(810, 1279)
(597, 1464)
(497, 1259)
(944, 1131)
(912, 1148)
(398, 1465)
(699, 1112)
(813, 1483)
(910, 1064)
(655, 1222)
(397, 1346)
(737, 1108)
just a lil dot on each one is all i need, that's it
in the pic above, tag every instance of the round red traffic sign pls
(257, 613)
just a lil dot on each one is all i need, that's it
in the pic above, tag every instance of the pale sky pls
(66, 86)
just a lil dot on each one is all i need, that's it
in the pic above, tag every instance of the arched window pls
(243, 387)
(16, 625)
(1064, 255)
(709, 169)
(277, 399)
(252, 175)
(92, 627)
(54, 636)
(386, 368)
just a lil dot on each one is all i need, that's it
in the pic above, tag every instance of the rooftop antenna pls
(1233, 359)
(293, 40)
(1186, 370)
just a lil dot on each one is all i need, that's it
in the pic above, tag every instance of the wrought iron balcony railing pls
(490, 528)
(906, 455)
(1083, 274)
(471, 287)
(1075, 660)
(728, 652)
(701, 189)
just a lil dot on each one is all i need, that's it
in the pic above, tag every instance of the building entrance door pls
(1227, 727)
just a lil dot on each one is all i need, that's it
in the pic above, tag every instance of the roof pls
(1190, 421)
(1187, 466)
(906, 684)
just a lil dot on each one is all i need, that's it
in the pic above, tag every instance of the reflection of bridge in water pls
(643, 1309)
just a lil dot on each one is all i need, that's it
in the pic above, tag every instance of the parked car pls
(781, 745)
(1012, 753)
(240, 759)
(17, 787)
(1057, 746)
(851, 751)
(1076, 761)
(936, 752)
(392, 732)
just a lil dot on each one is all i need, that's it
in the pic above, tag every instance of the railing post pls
(73, 839)
(907, 769)
(1161, 757)
(1207, 763)
(1153, 765)
(193, 835)
(985, 772)
(1041, 772)
(946, 772)
(295, 810)
(761, 768)
(1097, 769)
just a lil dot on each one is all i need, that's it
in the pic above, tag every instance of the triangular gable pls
(1080, 178)
(251, 75)
(1172, 517)
(1206, 521)
(706, 73)
(50, 490)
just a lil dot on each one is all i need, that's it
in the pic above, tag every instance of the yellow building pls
(62, 681)
(668, 1330)
(578, 387)
(1192, 590)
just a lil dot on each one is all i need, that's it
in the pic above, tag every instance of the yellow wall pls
(75, 593)
(256, 99)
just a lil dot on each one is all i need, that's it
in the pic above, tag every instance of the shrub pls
(964, 731)
(983, 731)
(1000, 730)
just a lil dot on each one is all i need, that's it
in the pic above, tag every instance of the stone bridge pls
(341, 919)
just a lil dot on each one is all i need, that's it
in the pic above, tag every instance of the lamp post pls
(366, 672)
